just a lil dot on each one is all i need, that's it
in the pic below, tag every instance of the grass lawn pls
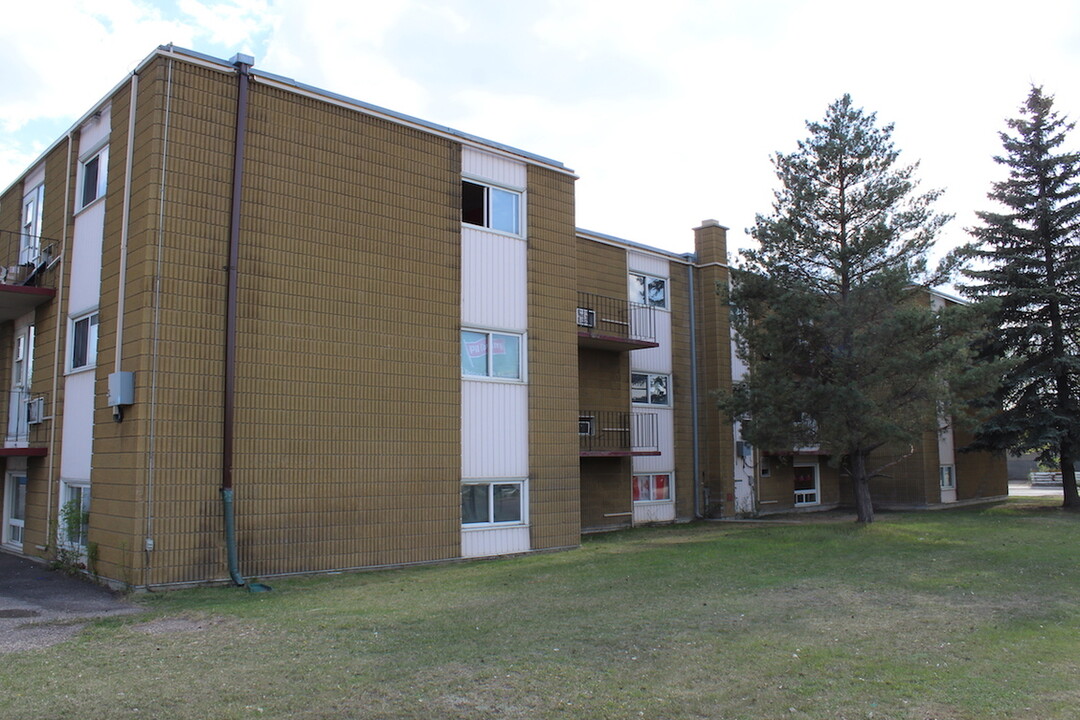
(968, 613)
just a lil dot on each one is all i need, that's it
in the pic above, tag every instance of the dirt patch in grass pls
(183, 624)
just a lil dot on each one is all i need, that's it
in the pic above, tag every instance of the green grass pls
(968, 613)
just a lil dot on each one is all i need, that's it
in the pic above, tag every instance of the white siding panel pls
(94, 131)
(665, 430)
(494, 430)
(78, 426)
(657, 359)
(34, 178)
(494, 281)
(653, 512)
(648, 264)
(85, 285)
(494, 541)
(946, 444)
(494, 168)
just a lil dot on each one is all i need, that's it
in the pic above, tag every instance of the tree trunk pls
(864, 506)
(1068, 480)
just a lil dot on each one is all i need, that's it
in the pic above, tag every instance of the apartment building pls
(256, 328)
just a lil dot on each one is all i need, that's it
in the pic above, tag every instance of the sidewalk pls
(41, 607)
(1023, 489)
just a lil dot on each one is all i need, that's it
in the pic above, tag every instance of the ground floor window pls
(14, 509)
(74, 514)
(807, 491)
(492, 502)
(948, 477)
(650, 488)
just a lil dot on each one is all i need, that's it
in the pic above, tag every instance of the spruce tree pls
(1027, 271)
(832, 309)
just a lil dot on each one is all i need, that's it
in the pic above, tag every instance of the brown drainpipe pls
(243, 64)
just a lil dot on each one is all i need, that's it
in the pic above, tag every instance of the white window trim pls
(521, 214)
(521, 482)
(667, 289)
(652, 485)
(952, 477)
(637, 403)
(817, 485)
(100, 151)
(10, 480)
(61, 529)
(523, 356)
(91, 358)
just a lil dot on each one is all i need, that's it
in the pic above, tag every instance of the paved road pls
(40, 607)
(1022, 489)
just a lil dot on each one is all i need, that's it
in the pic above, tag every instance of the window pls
(649, 389)
(84, 340)
(651, 488)
(647, 290)
(74, 514)
(30, 242)
(806, 484)
(492, 502)
(948, 477)
(14, 509)
(92, 177)
(491, 207)
(491, 355)
(586, 425)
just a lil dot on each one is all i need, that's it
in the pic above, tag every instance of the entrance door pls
(807, 491)
(18, 432)
(14, 509)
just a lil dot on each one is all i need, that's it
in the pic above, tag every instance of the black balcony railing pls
(613, 322)
(608, 433)
(24, 259)
(25, 418)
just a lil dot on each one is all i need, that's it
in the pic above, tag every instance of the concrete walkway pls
(41, 607)
(1024, 489)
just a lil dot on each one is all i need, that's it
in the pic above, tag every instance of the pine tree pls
(1028, 272)
(832, 309)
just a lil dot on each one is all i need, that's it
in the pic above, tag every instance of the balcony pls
(25, 280)
(617, 434)
(25, 434)
(611, 324)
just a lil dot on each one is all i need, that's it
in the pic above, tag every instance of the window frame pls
(94, 321)
(63, 532)
(817, 485)
(12, 480)
(101, 179)
(491, 483)
(30, 222)
(651, 479)
(489, 218)
(646, 277)
(489, 362)
(648, 382)
(950, 471)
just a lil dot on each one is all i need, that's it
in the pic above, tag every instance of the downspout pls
(60, 262)
(694, 384)
(125, 227)
(243, 64)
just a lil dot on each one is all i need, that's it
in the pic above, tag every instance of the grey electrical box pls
(121, 388)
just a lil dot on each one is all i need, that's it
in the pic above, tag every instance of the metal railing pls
(25, 417)
(25, 258)
(614, 318)
(617, 432)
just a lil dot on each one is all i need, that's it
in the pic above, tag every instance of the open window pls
(491, 207)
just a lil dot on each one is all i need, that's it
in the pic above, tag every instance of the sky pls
(669, 112)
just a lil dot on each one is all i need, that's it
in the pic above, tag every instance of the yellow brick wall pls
(553, 354)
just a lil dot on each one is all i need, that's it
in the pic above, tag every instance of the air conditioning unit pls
(586, 317)
(35, 411)
(585, 426)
